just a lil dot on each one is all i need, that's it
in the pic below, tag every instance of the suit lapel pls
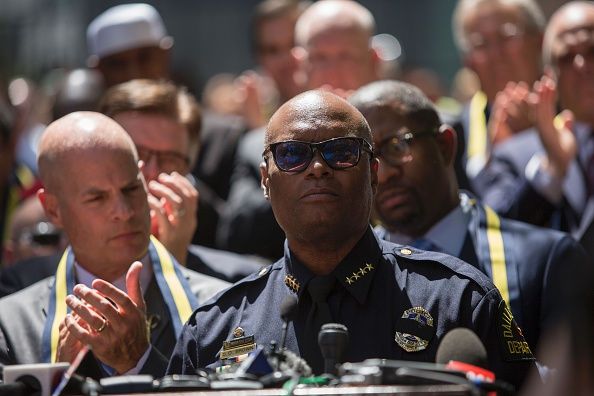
(468, 252)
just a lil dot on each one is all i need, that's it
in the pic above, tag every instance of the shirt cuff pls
(543, 179)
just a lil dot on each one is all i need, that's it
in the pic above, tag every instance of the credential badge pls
(414, 329)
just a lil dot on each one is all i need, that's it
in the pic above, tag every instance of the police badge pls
(414, 329)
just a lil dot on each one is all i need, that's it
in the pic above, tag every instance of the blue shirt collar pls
(449, 233)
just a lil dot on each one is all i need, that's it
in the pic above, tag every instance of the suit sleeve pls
(155, 364)
(566, 266)
(511, 195)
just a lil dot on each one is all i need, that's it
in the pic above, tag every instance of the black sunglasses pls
(338, 153)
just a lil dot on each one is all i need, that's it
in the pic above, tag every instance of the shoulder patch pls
(511, 340)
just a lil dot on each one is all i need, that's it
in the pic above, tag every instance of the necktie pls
(319, 289)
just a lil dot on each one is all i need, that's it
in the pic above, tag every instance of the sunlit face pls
(340, 58)
(163, 143)
(146, 62)
(275, 38)
(408, 195)
(102, 206)
(572, 58)
(502, 48)
(319, 202)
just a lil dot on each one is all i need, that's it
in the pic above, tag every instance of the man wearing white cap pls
(129, 41)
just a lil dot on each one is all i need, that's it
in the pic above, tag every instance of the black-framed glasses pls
(339, 153)
(42, 233)
(167, 161)
(395, 150)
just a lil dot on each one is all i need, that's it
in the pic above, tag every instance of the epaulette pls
(451, 263)
(256, 279)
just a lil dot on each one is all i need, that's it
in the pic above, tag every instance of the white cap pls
(125, 27)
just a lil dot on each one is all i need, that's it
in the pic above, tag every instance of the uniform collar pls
(355, 272)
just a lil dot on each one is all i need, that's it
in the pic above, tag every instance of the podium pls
(399, 390)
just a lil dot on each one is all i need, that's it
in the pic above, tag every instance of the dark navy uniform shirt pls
(397, 303)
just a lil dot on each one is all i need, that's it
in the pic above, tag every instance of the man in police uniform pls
(418, 203)
(320, 177)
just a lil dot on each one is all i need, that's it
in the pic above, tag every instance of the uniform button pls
(406, 251)
(263, 271)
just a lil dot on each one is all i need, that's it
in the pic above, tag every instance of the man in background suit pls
(94, 190)
(163, 121)
(333, 51)
(130, 41)
(500, 41)
(418, 203)
(547, 176)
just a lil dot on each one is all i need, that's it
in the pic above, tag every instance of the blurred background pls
(211, 36)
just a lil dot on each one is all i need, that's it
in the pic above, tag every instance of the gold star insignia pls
(349, 280)
(292, 283)
(369, 266)
(356, 275)
(362, 271)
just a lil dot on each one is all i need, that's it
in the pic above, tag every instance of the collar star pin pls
(356, 275)
(292, 283)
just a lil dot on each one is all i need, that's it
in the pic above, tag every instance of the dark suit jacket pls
(219, 264)
(247, 224)
(502, 185)
(23, 315)
(546, 263)
(219, 137)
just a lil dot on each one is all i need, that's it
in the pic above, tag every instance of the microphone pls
(462, 345)
(27, 379)
(288, 309)
(462, 350)
(333, 339)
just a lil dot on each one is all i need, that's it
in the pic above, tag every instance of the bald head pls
(94, 190)
(324, 202)
(333, 44)
(567, 51)
(311, 110)
(333, 14)
(77, 133)
(569, 18)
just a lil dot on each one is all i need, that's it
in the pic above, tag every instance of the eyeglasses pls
(339, 153)
(395, 150)
(42, 233)
(505, 35)
(167, 161)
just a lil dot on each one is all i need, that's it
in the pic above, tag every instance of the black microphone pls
(288, 309)
(462, 350)
(333, 339)
(462, 345)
